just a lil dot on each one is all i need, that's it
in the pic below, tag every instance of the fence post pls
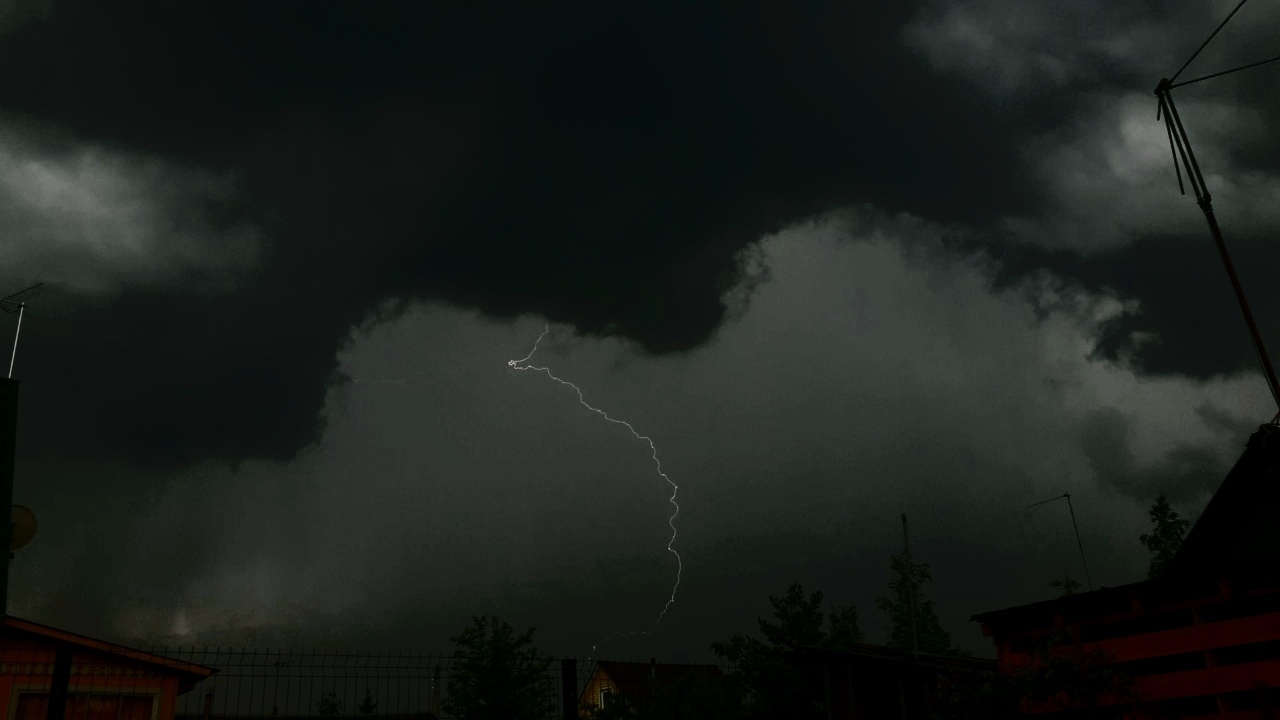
(435, 689)
(208, 703)
(61, 679)
(569, 687)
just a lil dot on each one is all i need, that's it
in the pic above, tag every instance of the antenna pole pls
(14, 355)
(1182, 144)
(1078, 543)
(8, 440)
(911, 584)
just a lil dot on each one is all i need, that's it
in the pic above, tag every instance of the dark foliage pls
(769, 680)
(1166, 537)
(497, 675)
(368, 705)
(1066, 584)
(907, 579)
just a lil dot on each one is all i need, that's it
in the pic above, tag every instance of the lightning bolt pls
(521, 364)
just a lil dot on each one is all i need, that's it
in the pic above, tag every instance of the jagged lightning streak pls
(671, 521)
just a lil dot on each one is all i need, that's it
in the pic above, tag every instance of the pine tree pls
(330, 704)
(367, 706)
(771, 681)
(1166, 537)
(907, 578)
(498, 675)
(799, 619)
(843, 627)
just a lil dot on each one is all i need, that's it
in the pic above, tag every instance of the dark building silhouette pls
(871, 682)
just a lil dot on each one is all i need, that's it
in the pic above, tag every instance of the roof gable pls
(1239, 522)
(15, 627)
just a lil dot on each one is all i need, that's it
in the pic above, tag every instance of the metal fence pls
(257, 683)
(304, 684)
(316, 684)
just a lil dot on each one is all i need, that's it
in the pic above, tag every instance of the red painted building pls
(95, 680)
(1203, 640)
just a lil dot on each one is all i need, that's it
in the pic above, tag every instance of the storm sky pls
(838, 262)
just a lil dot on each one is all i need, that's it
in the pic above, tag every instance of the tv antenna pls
(1080, 545)
(1180, 148)
(17, 303)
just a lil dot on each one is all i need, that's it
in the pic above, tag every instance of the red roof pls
(12, 626)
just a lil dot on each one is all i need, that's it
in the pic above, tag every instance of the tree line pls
(498, 675)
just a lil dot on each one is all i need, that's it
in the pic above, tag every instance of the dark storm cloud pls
(1081, 78)
(598, 164)
(863, 379)
(1184, 474)
(1187, 320)
(238, 206)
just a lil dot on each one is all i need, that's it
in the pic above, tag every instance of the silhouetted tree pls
(367, 706)
(1166, 537)
(1066, 584)
(330, 705)
(799, 619)
(907, 578)
(843, 624)
(497, 675)
(772, 684)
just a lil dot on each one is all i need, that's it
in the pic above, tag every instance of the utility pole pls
(1079, 544)
(911, 585)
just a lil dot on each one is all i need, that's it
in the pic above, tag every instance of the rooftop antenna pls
(17, 303)
(1180, 148)
(1080, 545)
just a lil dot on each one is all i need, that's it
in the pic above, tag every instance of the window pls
(606, 698)
(85, 706)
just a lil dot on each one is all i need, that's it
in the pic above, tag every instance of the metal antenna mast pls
(1184, 158)
(12, 305)
(8, 440)
(1080, 545)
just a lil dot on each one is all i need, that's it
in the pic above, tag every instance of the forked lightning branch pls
(522, 364)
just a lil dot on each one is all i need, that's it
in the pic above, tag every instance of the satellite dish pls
(24, 527)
